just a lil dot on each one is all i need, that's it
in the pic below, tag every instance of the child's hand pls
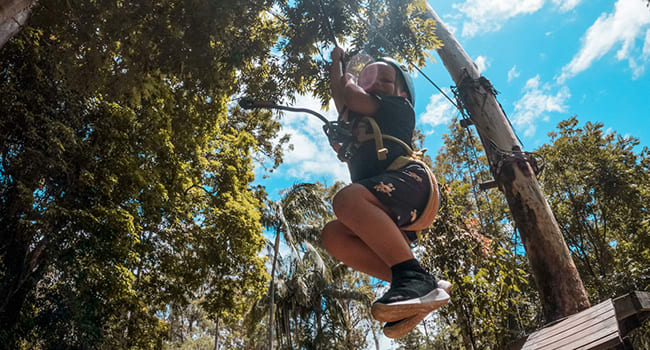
(347, 77)
(337, 54)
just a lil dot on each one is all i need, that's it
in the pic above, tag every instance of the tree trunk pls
(374, 335)
(216, 335)
(13, 15)
(426, 332)
(558, 282)
(276, 249)
(21, 267)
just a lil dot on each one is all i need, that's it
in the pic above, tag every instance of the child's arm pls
(358, 100)
(337, 78)
(346, 92)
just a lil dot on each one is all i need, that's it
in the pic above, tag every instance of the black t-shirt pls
(395, 117)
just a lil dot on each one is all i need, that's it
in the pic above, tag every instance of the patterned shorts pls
(404, 191)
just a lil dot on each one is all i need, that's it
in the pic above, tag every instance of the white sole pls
(402, 328)
(403, 309)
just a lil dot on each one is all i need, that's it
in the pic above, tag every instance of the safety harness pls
(428, 215)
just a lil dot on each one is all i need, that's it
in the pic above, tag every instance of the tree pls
(597, 183)
(120, 168)
(471, 244)
(126, 169)
(561, 290)
(300, 203)
(298, 215)
(318, 302)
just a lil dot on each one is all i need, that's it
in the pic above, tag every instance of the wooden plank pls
(598, 332)
(571, 322)
(602, 345)
(644, 300)
(572, 339)
(632, 304)
(595, 328)
(624, 306)
(592, 326)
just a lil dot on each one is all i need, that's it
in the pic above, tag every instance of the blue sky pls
(549, 59)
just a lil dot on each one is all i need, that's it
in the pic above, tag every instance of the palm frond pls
(317, 260)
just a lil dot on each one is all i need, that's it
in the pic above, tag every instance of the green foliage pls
(415, 340)
(472, 244)
(378, 28)
(598, 186)
(125, 182)
(317, 301)
(640, 337)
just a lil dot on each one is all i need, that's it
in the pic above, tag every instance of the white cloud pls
(438, 112)
(482, 63)
(513, 73)
(566, 5)
(646, 46)
(538, 100)
(312, 158)
(489, 16)
(624, 26)
(450, 22)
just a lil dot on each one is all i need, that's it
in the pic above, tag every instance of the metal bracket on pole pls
(488, 185)
(465, 123)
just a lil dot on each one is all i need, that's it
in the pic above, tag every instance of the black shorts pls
(405, 192)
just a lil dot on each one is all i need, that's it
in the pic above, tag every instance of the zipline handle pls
(248, 103)
(335, 130)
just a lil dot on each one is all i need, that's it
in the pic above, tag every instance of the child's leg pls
(372, 210)
(347, 247)
(360, 211)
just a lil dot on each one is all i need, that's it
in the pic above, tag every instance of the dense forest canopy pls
(126, 170)
(129, 216)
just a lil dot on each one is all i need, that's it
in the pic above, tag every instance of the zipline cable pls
(330, 31)
(327, 22)
(458, 105)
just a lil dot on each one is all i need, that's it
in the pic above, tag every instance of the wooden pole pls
(560, 287)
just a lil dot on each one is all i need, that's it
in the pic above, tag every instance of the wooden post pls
(560, 287)
(13, 15)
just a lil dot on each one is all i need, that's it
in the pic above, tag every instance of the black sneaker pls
(410, 294)
(398, 329)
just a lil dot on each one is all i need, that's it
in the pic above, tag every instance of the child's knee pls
(346, 200)
(329, 235)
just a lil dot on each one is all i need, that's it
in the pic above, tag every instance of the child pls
(366, 234)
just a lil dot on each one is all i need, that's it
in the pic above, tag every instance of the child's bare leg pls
(344, 245)
(360, 211)
(413, 291)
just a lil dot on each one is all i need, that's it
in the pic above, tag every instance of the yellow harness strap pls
(430, 212)
(377, 136)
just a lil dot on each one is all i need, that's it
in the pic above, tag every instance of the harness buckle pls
(382, 153)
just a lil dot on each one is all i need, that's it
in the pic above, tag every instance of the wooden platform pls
(600, 327)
